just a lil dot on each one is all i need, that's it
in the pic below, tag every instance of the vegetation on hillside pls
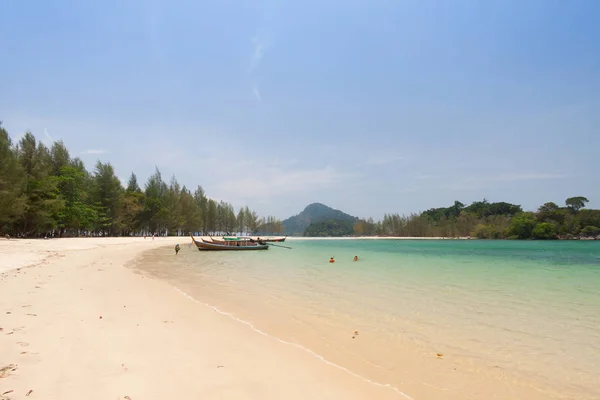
(486, 220)
(315, 212)
(329, 228)
(47, 192)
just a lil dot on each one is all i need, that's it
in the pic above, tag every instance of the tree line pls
(47, 192)
(485, 220)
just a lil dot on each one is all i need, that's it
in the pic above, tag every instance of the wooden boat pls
(215, 244)
(274, 239)
(257, 238)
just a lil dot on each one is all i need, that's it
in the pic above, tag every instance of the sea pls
(443, 319)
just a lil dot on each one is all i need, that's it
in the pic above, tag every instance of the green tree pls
(132, 184)
(192, 216)
(59, 157)
(12, 184)
(172, 201)
(211, 216)
(522, 226)
(252, 220)
(43, 203)
(576, 203)
(132, 207)
(155, 216)
(107, 195)
(202, 206)
(77, 214)
(591, 231)
(241, 221)
(544, 230)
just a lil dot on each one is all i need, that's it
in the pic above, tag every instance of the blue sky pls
(367, 106)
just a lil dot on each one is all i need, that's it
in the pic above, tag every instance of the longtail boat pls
(216, 244)
(257, 238)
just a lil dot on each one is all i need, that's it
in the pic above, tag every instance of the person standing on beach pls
(177, 248)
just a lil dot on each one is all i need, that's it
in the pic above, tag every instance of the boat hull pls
(257, 238)
(203, 245)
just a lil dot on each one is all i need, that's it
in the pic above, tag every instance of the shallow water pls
(525, 312)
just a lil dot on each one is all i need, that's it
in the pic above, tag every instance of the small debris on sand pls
(28, 393)
(4, 371)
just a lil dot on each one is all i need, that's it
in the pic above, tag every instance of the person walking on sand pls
(177, 248)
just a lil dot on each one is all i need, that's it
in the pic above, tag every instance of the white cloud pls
(95, 151)
(526, 176)
(257, 92)
(385, 158)
(259, 52)
(277, 182)
(260, 48)
(48, 135)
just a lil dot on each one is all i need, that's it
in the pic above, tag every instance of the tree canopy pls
(47, 192)
(485, 220)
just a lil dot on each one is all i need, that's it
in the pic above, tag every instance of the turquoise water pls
(522, 312)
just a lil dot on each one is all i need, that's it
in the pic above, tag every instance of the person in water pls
(177, 248)
(331, 260)
(355, 258)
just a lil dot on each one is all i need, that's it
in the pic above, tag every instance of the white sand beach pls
(76, 323)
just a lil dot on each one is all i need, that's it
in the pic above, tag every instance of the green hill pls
(315, 212)
(330, 228)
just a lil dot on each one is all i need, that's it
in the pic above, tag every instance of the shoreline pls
(79, 323)
(413, 368)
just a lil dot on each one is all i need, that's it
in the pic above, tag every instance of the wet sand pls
(76, 323)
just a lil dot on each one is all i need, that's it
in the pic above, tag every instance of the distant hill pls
(330, 228)
(315, 212)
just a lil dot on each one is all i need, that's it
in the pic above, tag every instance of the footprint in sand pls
(23, 344)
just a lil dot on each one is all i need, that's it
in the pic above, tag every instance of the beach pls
(126, 318)
(436, 319)
(77, 323)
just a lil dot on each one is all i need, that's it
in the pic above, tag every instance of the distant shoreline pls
(313, 238)
(376, 238)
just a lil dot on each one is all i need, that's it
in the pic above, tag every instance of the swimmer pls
(331, 260)
(355, 258)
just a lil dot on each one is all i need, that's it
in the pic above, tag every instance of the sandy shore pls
(76, 323)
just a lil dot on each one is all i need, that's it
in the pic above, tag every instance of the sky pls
(370, 107)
